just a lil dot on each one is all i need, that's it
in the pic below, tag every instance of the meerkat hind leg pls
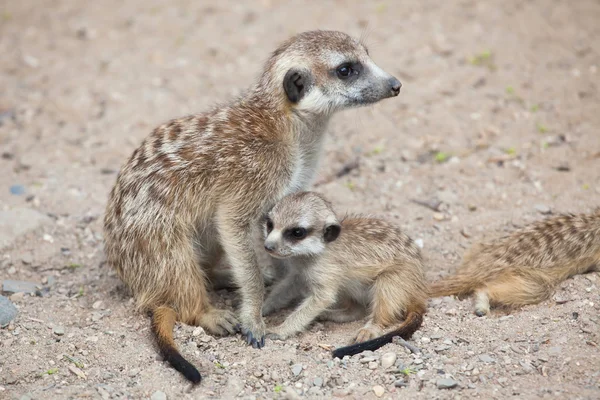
(370, 331)
(512, 290)
(343, 311)
(482, 302)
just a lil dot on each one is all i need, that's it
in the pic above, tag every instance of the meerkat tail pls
(455, 285)
(163, 322)
(410, 325)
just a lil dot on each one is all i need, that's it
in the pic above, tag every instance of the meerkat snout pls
(395, 84)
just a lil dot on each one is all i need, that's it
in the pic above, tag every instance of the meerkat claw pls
(251, 340)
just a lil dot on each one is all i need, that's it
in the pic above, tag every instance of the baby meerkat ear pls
(296, 84)
(331, 232)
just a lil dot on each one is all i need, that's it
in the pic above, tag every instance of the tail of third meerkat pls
(163, 322)
(457, 285)
(412, 322)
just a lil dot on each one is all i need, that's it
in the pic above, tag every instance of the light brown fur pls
(525, 267)
(196, 187)
(372, 268)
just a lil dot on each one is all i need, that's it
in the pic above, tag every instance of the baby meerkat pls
(345, 268)
(525, 266)
(197, 186)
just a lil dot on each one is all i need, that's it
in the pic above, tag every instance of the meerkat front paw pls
(253, 332)
(219, 322)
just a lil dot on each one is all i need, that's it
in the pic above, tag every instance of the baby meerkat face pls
(300, 225)
(326, 71)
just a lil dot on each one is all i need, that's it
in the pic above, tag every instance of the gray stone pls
(8, 311)
(158, 395)
(543, 209)
(318, 382)
(486, 359)
(400, 383)
(446, 383)
(296, 369)
(58, 330)
(18, 221)
(10, 286)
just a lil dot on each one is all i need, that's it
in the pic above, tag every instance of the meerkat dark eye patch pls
(331, 232)
(296, 233)
(268, 224)
(296, 84)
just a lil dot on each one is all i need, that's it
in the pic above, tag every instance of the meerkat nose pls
(269, 247)
(395, 85)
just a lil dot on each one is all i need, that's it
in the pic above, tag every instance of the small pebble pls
(543, 209)
(378, 390)
(373, 365)
(419, 242)
(318, 382)
(441, 348)
(97, 305)
(369, 359)
(158, 395)
(446, 383)
(296, 369)
(198, 331)
(8, 311)
(17, 190)
(10, 286)
(58, 330)
(400, 383)
(486, 359)
(388, 359)
(425, 340)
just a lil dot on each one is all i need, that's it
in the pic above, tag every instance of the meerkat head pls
(321, 72)
(301, 224)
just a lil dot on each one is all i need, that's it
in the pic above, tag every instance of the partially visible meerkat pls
(525, 266)
(197, 186)
(345, 269)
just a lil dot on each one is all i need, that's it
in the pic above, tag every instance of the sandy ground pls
(498, 119)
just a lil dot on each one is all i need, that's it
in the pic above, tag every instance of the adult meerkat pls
(525, 266)
(196, 187)
(347, 268)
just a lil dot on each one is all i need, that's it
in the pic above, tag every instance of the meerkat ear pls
(331, 232)
(296, 84)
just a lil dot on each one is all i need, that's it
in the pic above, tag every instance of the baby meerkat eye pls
(297, 233)
(344, 71)
(269, 224)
